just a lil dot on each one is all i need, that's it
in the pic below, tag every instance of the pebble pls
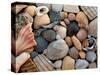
(73, 52)
(34, 54)
(57, 7)
(62, 23)
(71, 8)
(93, 28)
(68, 63)
(41, 44)
(49, 35)
(41, 21)
(63, 15)
(82, 20)
(85, 43)
(58, 64)
(82, 34)
(68, 41)
(91, 56)
(92, 65)
(82, 54)
(71, 16)
(67, 22)
(81, 64)
(57, 49)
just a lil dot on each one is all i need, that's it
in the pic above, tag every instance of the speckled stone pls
(81, 64)
(91, 56)
(49, 35)
(73, 52)
(68, 63)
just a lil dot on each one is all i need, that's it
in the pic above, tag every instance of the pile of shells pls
(66, 35)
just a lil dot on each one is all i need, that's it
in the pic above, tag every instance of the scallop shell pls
(31, 10)
(71, 8)
(91, 12)
(76, 43)
(82, 34)
(93, 28)
(57, 49)
(25, 39)
(41, 21)
(43, 63)
(57, 7)
(17, 8)
(60, 31)
(82, 20)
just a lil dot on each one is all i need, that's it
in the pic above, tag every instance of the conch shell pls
(25, 39)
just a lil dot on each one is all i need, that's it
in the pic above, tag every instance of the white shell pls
(57, 49)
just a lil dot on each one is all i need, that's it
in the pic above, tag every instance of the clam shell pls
(93, 28)
(91, 12)
(68, 63)
(71, 8)
(82, 34)
(57, 49)
(76, 43)
(31, 10)
(57, 7)
(41, 21)
(82, 20)
(60, 30)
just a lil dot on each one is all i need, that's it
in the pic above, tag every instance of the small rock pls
(57, 7)
(66, 21)
(68, 41)
(85, 43)
(71, 16)
(63, 24)
(82, 54)
(92, 65)
(71, 8)
(34, 54)
(58, 64)
(63, 15)
(68, 63)
(81, 64)
(91, 56)
(82, 34)
(73, 52)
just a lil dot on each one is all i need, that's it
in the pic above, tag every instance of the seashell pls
(63, 15)
(54, 16)
(34, 54)
(93, 28)
(22, 20)
(58, 64)
(41, 21)
(31, 10)
(49, 35)
(17, 8)
(51, 25)
(71, 16)
(82, 54)
(63, 24)
(82, 20)
(90, 56)
(91, 12)
(57, 49)
(60, 31)
(76, 43)
(25, 39)
(67, 22)
(81, 64)
(57, 7)
(43, 63)
(20, 60)
(29, 66)
(92, 43)
(43, 4)
(73, 52)
(72, 28)
(41, 44)
(42, 10)
(68, 41)
(82, 34)
(68, 63)
(92, 65)
(71, 8)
